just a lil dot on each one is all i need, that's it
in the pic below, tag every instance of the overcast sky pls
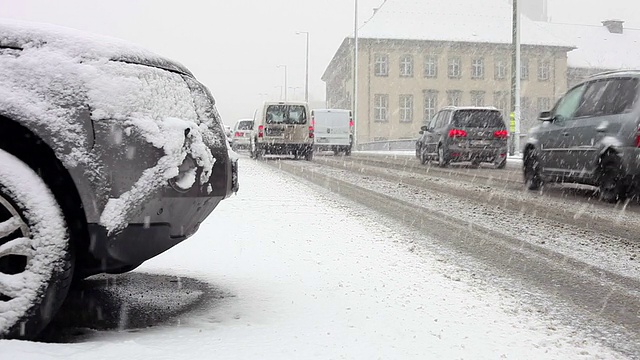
(235, 46)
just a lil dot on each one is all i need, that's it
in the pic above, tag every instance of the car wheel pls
(611, 185)
(308, 155)
(475, 163)
(423, 157)
(501, 164)
(347, 151)
(336, 152)
(443, 160)
(532, 176)
(259, 152)
(36, 262)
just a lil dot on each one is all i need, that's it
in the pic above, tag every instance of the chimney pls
(614, 26)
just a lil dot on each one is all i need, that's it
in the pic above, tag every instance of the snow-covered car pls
(109, 155)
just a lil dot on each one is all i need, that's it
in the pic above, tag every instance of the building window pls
(431, 67)
(381, 107)
(381, 67)
(544, 104)
(500, 101)
(406, 66)
(501, 70)
(477, 68)
(406, 108)
(477, 98)
(454, 68)
(430, 104)
(453, 97)
(524, 69)
(544, 70)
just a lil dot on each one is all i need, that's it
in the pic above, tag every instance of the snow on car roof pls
(598, 48)
(76, 43)
(486, 21)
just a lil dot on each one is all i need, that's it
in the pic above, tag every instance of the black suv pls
(590, 137)
(455, 134)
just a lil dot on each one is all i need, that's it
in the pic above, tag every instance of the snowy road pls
(298, 272)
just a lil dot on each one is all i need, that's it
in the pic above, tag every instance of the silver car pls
(109, 155)
(591, 136)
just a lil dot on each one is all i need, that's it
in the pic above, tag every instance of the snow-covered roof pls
(486, 21)
(598, 48)
(76, 43)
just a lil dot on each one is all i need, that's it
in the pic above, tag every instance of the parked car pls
(109, 155)
(333, 129)
(282, 128)
(591, 136)
(241, 134)
(455, 134)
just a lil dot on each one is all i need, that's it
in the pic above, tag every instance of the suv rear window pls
(478, 119)
(286, 114)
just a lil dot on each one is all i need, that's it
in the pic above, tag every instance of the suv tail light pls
(501, 134)
(350, 122)
(454, 133)
(311, 131)
(238, 134)
(261, 131)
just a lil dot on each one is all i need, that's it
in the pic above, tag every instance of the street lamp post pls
(306, 77)
(285, 80)
(294, 88)
(355, 76)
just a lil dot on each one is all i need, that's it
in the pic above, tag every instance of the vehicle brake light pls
(261, 131)
(313, 120)
(350, 122)
(454, 133)
(311, 132)
(502, 134)
(238, 134)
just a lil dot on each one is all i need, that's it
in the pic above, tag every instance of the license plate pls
(480, 142)
(274, 131)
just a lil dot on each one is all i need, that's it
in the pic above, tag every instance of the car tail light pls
(350, 122)
(310, 132)
(261, 131)
(454, 133)
(238, 134)
(501, 134)
(313, 120)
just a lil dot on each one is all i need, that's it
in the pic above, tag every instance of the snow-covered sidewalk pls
(316, 277)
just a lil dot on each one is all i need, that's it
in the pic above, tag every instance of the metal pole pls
(306, 81)
(285, 80)
(355, 76)
(517, 107)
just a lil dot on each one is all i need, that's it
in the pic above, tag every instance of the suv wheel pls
(611, 185)
(36, 264)
(501, 164)
(443, 160)
(532, 177)
(423, 157)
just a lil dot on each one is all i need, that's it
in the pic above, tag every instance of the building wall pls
(496, 91)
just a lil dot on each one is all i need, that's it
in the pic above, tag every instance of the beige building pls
(417, 57)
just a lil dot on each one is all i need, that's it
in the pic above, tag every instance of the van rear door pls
(332, 127)
(286, 123)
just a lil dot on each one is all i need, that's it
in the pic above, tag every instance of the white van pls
(282, 128)
(334, 130)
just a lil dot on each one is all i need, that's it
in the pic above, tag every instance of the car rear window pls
(286, 114)
(478, 119)
(245, 125)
